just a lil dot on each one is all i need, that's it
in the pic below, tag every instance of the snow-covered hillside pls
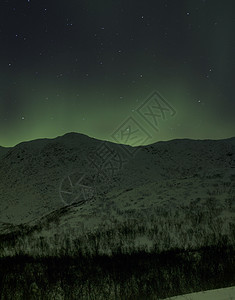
(169, 208)
(185, 188)
(218, 294)
(34, 174)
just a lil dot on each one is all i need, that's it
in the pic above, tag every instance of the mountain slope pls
(34, 176)
(3, 151)
(31, 174)
(179, 193)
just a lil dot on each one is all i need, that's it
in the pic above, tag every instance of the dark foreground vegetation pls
(137, 275)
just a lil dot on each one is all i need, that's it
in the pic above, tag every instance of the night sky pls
(98, 67)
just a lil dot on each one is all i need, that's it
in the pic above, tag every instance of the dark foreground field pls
(139, 275)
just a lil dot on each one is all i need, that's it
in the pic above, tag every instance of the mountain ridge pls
(73, 133)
